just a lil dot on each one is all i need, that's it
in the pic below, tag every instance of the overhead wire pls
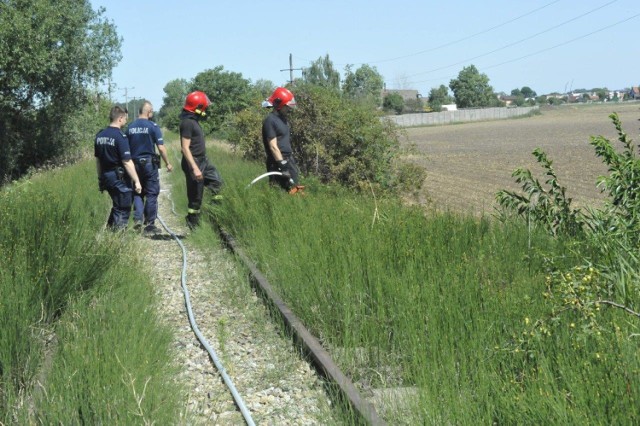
(565, 42)
(507, 45)
(552, 47)
(518, 41)
(451, 43)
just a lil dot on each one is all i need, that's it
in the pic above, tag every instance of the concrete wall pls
(459, 116)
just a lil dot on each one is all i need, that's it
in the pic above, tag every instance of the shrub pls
(549, 207)
(607, 239)
(393, 102)
(335, 139)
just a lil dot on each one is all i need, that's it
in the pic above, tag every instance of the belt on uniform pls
(118, 170)
(143, 160)
(113, 169)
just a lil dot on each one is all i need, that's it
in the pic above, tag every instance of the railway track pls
(274, 379)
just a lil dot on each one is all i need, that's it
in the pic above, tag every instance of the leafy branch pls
(550, 207)
(607, 239)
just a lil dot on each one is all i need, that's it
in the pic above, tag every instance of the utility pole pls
(126, 97)
(291, 69)
(110, 88)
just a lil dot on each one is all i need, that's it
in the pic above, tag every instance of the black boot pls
(193, 220)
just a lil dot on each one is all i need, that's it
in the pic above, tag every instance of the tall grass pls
(77, 344)
(435, 304)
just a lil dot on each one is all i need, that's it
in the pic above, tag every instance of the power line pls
(465, 38)
(455, 41)
(519, 41)
(566, 42)
(552, 47)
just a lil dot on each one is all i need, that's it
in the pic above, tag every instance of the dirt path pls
(277, 386)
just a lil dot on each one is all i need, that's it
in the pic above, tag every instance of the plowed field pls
(468, 163)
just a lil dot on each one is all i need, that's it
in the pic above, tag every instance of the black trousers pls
(195, 189)
(292, 167)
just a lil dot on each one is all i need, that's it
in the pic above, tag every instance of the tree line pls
(53, 59)
(51, 54)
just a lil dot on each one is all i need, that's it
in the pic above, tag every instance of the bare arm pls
(131, 171)
(163, 154)
(195, 170)
(275, 151)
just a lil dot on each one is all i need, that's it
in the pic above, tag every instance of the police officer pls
(199, 172)
(116, 172)
(276, 137)
(144, 135)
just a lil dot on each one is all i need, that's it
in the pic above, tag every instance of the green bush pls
(393, 102)
(605, 242)
(335, 139)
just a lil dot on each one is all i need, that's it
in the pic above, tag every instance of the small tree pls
(228, 92)
(364, 85)
(263, 88)
(175, 93)
(519, 101)
(471, 89)
(393, 102)
(322, 73)
(527, 92)
(439, 96)
(413, 105)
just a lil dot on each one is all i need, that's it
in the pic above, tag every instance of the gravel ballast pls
(277, 385)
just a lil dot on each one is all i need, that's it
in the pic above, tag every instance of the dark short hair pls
(117, 112)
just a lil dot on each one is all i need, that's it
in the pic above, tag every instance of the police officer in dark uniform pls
(144, 135)
(116, 172)
(276, 137)
(198, 171)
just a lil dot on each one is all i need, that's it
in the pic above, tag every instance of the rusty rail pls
(321, 358)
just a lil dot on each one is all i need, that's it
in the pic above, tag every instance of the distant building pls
(507, 99)
(407, 95)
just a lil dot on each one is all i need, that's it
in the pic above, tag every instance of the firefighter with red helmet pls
(199, 172)
(276, 137)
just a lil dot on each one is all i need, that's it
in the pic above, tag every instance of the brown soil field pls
(468, 163)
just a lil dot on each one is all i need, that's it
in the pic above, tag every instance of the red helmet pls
(281, 97)
(196, 102)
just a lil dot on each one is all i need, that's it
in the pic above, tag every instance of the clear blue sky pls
(419, 44)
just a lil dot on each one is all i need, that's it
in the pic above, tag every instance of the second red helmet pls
(197, 102)
(281, 97)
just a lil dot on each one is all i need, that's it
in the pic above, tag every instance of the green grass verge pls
(78, 342)
(437, 305)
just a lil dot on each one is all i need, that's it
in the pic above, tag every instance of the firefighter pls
(144, 135)
(116, 172)
(276, 137)
(199, 172)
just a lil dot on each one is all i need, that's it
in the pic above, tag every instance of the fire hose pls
(293, 189)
